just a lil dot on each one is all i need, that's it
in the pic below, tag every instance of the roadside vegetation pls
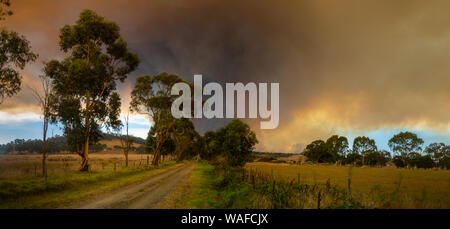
(64, 190)
(272, 186)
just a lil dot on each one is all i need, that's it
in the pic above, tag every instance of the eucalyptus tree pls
(405, 143)
(438, 152)
(86, 80)
(152, 96)
(364, 146)
(337, 146)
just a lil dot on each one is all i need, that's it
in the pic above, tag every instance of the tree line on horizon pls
(58, 144)
(406, 148)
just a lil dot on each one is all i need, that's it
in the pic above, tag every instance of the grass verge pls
(208, 188)
(63, 191)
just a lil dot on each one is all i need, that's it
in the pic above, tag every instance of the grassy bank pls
(64, 190)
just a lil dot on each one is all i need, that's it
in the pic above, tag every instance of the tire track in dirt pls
(144, 195)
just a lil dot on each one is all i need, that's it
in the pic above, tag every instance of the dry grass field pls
(412, 188)
(28, 166)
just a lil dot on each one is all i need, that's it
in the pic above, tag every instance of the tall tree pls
(152, 96)
(364, 146)
(87, 78)
(438, 151)
(15, 53)
(46, 100)
(318, 151)
(338, 146)
(404, 143)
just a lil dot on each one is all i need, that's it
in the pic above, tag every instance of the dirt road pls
(146, 194)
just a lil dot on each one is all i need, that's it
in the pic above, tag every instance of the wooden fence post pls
(349, 191)
(318, 201)
(253, 181)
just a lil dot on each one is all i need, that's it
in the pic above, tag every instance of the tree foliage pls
(4, 9)
(86, 79)
(318, 151)
(152, 96)
(404, 143)
(364, 146)
(211, 145)
(335, 148)
(439, 153)
(184, 136)
(377, 158)
(15, 53)
(234, 143)
(237, 142)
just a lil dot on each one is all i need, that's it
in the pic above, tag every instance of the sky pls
(347, 67)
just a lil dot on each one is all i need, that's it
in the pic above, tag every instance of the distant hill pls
(276, 154)
(58, 144)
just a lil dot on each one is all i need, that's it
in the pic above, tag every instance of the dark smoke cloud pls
(345, 64)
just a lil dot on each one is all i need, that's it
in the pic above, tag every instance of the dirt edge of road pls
(146, 194)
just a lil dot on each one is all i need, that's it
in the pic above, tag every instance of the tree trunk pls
(157, 151)
(85, 157)
(179, 154)
(44, 150)
(156, 154)
(127, 143)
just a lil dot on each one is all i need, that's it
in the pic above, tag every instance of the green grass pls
(201, 193)
(211, 188)
(64, 190)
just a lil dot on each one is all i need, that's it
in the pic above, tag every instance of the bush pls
(235, 142)
(398, 162)
(419, 161)
(353, 159)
